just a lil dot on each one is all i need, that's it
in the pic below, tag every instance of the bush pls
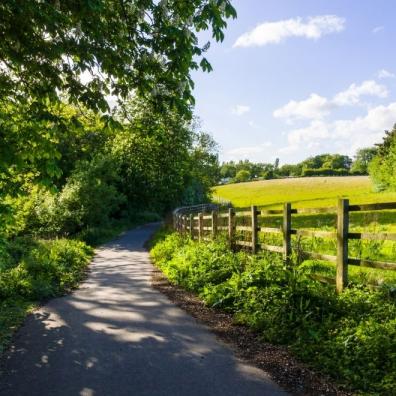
(242, 176)
(41, 269)
(324, 172)
(90, 198)
(32, 270)
(351, 336)
(382, 168)
(383, 171)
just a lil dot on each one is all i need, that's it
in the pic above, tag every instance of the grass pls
(349, 336)
(302, 192)
(34, 270)
(322, 192)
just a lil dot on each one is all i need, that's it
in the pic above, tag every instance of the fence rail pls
(194, 221)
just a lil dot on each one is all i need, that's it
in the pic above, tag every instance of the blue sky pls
(295, 78)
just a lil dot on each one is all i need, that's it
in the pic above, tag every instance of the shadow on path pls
(117, 336)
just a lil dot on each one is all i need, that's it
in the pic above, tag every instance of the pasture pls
(318, 192)
(301, 192)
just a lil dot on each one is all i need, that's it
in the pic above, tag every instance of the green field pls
(321, 192)
(302, 192)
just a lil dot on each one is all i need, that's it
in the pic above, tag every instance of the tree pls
(362, 159)
(79, 52)
(327, 161)
(227, 170)
(120, 46)
(290, 170)
(204, 168)
(242, 176)
(382, 168)
(276, 164)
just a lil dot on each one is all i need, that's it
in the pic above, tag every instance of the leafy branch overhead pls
(88, 49)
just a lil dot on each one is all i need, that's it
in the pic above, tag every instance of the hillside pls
(303, 192)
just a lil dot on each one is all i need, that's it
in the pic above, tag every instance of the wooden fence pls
(196, 224)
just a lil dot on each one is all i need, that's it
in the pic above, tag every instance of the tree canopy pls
(89, 49)
(85, 53)
(383, 166)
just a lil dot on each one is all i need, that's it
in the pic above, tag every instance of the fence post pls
(287, 249)
(214, 224)
(342, 244)
(254, 229)
(192, 226)
(200, 226)
(231, 226)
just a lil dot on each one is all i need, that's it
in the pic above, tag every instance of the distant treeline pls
(319, 165)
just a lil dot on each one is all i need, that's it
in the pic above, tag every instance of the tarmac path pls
(116, 335)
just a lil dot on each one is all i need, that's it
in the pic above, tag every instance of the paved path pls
(117, 336)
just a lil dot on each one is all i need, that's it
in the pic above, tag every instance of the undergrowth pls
(351, 336)
(32, 271)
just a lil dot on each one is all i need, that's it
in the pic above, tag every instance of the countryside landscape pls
(197, 198)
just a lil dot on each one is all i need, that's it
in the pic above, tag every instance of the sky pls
(296, 78)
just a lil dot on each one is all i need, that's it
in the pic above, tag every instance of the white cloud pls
(240, 110)
(315, 107)
(314, 131)
(350, 134)
(275, 32)
(352, 94)
(385, 74)
(378, 29)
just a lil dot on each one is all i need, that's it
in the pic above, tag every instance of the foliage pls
(88, 199)
(149, 161)
(123, 47)
(324, 172)
(362, 159)
(32, 270)
(290, 170)
(350, 336)
(242, 176)
(204, 168)
(319, 165)
(73, 166)
(62, 61)
(382, 168)
(251, 170)
(329, 161)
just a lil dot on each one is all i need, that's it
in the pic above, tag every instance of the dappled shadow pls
(117, 335)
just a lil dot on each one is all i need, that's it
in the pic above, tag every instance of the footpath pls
(116, 335)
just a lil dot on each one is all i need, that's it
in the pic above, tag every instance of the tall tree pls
(382, 168)
(84, 51)
(362, 159)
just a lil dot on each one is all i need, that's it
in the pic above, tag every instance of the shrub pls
(42, 269)
(33, 270)
(324, 172)
(89, 198)
(382, 168)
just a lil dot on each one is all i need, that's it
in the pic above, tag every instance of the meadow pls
(302, 192)
(316, 192)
